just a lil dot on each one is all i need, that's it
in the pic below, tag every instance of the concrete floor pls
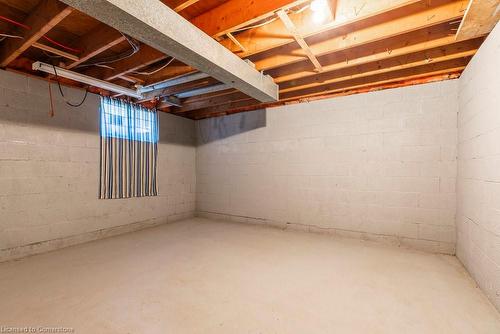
(200, 276)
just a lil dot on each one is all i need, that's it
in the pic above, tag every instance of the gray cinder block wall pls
(478, 191)
(380, 165)
(49, 172)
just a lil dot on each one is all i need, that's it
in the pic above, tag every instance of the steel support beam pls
(163, 29)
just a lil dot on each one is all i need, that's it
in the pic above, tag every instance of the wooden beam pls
(232, 17)
(429, 54)
(276, 36)
(397, 83)
(97, 41)
(235, 41)
(235, 96)
(234, 14)
(417, 41)
(55, 51)
(479, 19)
(44, 17)
(437, 55)
(333, 8)
(141, 59)
(446, 66)
(379, 68)
(180, 5)
(181, 40)
(299, 39)
(432, 42)
(434, 15)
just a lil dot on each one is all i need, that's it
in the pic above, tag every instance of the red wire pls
(61, 45)
(19, 24)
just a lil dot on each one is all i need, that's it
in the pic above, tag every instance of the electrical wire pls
(49, 55)
(75, 105)
(156, 70)
(10, 36)
(270, 20)
(135, 47)
(19, 24)
(255, 26)
(50, 40)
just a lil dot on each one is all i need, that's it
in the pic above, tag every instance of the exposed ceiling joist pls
(235, 14)
(235, 41)
(97, 41)
(380, 67)
(55, 51)
(180, 5)
(275, 34)
(420, 41)
(434, 15)
(149, 56)
(44, 17)
(231, 15)
(454, 51)
(427, 73)
(333, 8)
(299, 39)
(271, 37)
(449, 65)
(479, 19)
(181, 40)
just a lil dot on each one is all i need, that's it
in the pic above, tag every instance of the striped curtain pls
(129, 150)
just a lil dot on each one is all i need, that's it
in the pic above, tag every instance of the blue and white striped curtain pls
(129, 150)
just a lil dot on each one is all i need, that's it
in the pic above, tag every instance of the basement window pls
(120, 119)
(129, 150)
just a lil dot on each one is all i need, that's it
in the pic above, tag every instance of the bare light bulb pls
(321, 11)
(319, 5)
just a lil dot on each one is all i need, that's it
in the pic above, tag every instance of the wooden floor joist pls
(96, 42)
(420, 40)
(232, 16)
(433, 16)
(44, 17)
(180, 5)
(453, 51)
(299, 39)
(368, 45)
(479, 19)
(274, 34)
(181, 40)
(274, 37)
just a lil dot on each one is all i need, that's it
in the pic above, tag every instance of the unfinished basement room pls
(250, 166)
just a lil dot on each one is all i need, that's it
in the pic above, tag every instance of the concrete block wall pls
(49, 172)
(380, 165)
(478, 186)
